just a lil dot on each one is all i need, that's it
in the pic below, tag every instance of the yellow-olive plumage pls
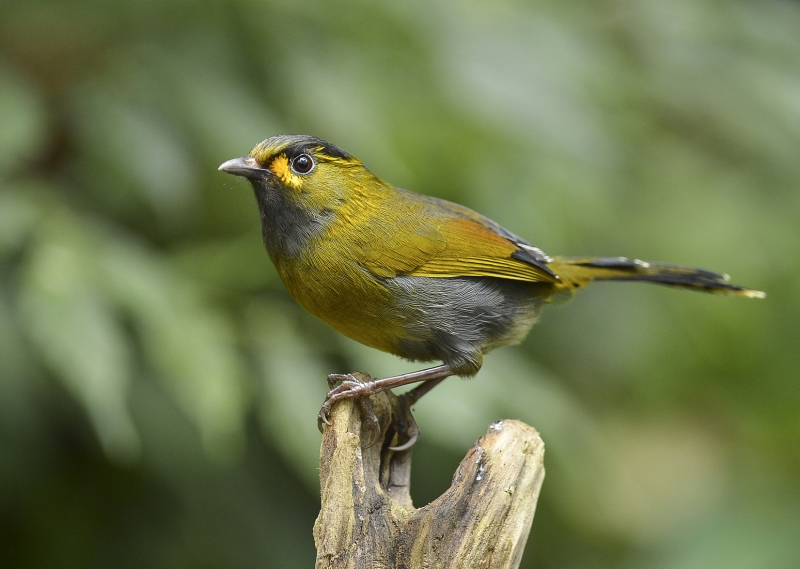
(408, 274)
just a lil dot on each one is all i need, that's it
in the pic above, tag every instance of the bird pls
(417, 276)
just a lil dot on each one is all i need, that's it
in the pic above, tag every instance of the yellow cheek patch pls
(280, 167)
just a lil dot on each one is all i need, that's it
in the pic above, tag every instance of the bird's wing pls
(461, 243)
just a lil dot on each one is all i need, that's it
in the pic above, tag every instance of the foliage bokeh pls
(158, 387)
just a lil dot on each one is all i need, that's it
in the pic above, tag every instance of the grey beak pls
(246, 167)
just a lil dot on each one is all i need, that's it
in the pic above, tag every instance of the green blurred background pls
(158, 386)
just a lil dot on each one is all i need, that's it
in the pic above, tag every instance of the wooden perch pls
(367, 518)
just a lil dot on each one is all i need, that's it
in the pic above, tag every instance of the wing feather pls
(458, 246)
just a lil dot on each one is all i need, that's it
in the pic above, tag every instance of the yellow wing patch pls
(458, 248)
(510, 269)
(474, 250)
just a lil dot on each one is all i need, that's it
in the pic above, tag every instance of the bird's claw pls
(322, 419)
(349, 386)
(408, 444)
(335, 378)
(360, 386)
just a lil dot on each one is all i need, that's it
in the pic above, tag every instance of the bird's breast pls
(332, 285)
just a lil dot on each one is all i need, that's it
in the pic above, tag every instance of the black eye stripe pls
(302, 164)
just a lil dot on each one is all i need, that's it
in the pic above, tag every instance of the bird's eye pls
(303, 164)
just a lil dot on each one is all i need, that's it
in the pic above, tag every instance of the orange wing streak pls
(474, 250)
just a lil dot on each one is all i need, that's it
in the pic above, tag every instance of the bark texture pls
(368, 520)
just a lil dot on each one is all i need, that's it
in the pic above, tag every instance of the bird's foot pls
(361, 386)
(352, 385)
(336, 378)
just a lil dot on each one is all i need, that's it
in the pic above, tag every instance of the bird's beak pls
(247, 167)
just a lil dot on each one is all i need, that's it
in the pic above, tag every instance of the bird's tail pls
(576, 272)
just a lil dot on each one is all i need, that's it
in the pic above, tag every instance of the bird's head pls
(304, 171)
(303, 186)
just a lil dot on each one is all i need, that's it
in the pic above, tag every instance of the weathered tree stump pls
(367, 518)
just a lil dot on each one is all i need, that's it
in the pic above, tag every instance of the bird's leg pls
(407, 399)
(410, 397)
(352, 386)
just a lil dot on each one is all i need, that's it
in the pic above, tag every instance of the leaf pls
(19, 212)
(293, 386)
(74, 328)
(23, 118)
(189, 345)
